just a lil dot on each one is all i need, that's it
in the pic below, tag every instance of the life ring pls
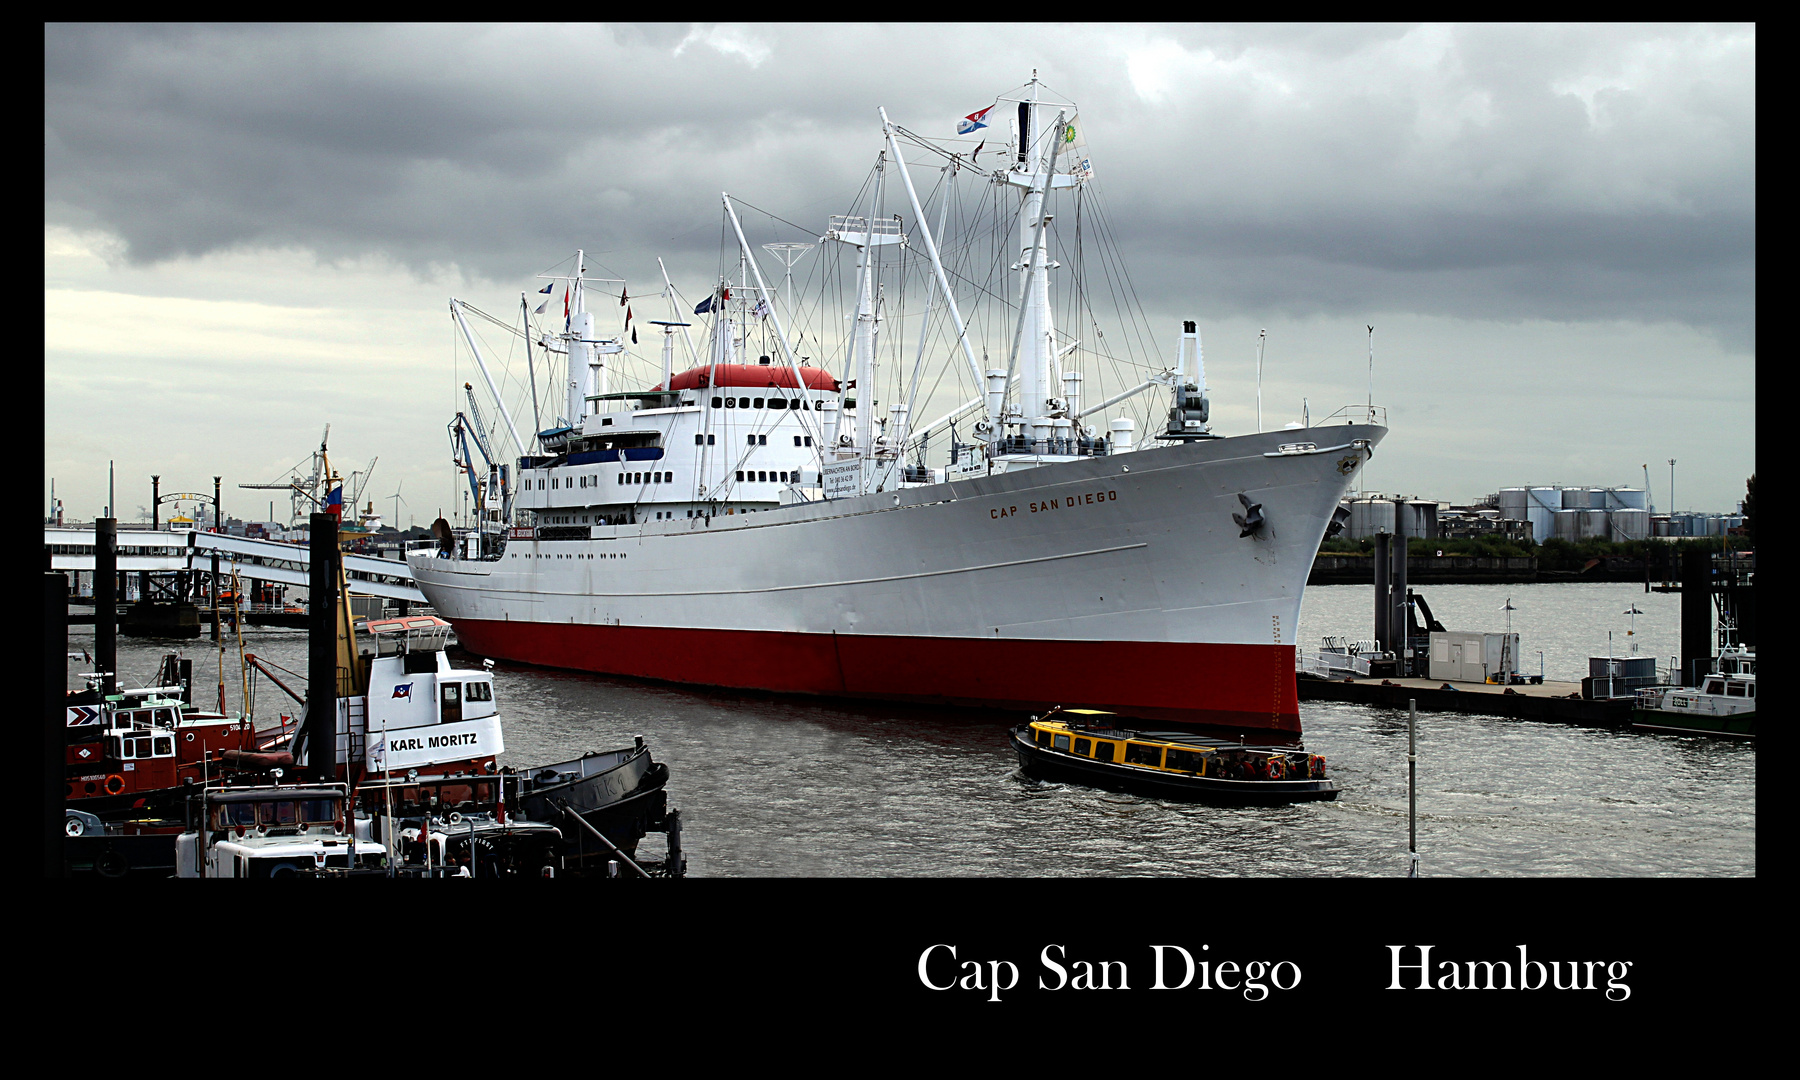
(1277, 768)
(115, 784)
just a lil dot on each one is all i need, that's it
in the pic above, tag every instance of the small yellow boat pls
(1083, 746)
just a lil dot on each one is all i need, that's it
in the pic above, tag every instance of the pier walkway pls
(1553, 701)
(164, 552)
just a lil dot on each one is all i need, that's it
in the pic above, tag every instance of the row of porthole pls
(757, 403)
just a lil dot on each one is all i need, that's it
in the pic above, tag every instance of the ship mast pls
(1042, 418)
(576, 337)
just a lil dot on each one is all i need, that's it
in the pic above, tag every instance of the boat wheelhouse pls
(275, 831)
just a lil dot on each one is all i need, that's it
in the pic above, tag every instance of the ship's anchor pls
(1251, 519)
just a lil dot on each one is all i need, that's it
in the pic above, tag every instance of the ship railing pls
(1327, 664)
(1356, 414)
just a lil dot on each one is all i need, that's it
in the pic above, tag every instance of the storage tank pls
(1566, 525)
(1370, 516)
(1630, 524)
(1626, 499)
(1421, 518)
(1541, 506)
(1575, 498)
(1593, 525)
(1512, 503)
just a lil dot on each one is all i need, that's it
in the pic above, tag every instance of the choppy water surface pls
(779, 787)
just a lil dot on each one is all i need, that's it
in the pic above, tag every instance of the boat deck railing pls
(1356, 414)
(1326, 664)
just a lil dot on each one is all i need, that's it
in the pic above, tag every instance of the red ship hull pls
(1226, 685)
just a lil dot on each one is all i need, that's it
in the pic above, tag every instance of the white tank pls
(1541, 506)
(1370, 516)
(1626, 499)
(1421, 518)
(1630, 524)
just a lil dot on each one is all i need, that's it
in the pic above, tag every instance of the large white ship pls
(747, 523)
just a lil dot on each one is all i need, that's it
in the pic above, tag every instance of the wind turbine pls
(398, 499)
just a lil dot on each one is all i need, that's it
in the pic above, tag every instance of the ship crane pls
(462, 431)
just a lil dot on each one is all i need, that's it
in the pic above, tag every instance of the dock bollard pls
(1412, 788)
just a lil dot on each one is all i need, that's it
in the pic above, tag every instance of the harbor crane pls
(304, 490)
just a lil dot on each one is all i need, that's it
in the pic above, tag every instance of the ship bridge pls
(163, 552)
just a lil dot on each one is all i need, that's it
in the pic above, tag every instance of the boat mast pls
(807, 417)
(986, 425)
(1036, 170)
(576, 336)
(469, 336)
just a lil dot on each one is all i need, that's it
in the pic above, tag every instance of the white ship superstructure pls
(753, 521)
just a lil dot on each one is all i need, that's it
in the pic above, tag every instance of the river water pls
(775, 787)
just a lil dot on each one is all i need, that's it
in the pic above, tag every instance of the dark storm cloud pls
(1493, 172)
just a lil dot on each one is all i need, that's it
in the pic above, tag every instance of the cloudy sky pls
(252, 231)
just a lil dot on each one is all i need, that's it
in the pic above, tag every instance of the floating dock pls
(1557, 702)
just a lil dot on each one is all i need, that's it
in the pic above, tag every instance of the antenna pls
(1371, 374)
(789, 254)
(1261, 337)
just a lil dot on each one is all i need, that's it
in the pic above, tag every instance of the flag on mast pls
(550, 288)
(973, 122)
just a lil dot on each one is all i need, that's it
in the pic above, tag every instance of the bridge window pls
(759, 403)
(762, 440)
(740, 476)
(796, 440)
(809, 440)
(699, 439)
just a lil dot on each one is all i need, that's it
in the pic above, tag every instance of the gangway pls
(264, 560)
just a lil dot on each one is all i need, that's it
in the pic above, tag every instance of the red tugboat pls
(136, 752)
